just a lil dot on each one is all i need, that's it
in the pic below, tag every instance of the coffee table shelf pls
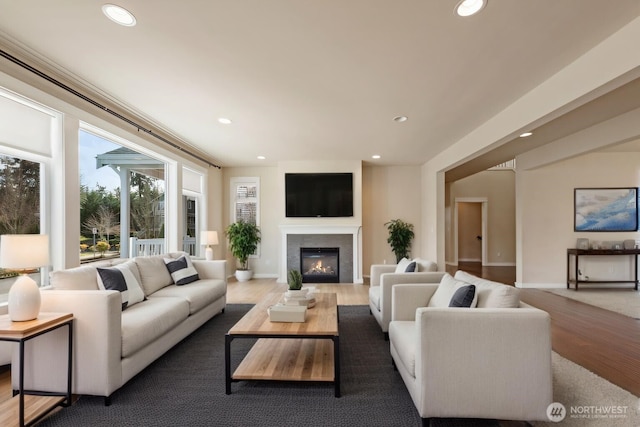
(308, 351)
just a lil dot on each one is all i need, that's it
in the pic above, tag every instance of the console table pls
(577, 253)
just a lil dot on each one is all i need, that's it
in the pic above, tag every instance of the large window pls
(19, 207)
(116, 222)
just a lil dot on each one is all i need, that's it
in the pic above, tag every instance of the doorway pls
(470, 230)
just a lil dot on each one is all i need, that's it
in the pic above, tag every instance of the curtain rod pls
(102, 107)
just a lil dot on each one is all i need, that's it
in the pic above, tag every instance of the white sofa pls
(384, 276)
(490, 361)
(111, 345)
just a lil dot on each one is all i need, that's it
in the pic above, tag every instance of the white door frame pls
(484, 210)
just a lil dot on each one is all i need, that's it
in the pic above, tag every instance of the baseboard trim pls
(540, 285)
(499, 264)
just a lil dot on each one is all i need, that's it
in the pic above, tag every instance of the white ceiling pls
(315, 79)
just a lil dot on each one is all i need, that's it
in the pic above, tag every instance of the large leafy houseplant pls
(243, 241)
(400, 237)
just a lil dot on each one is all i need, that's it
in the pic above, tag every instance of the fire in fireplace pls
(320, 265)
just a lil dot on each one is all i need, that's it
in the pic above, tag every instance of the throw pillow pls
(447, 287)
(463, 296)
(411, 267)
(402, 265)
(122, 279)
(181, 272)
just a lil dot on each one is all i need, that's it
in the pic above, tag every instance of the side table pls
(32, 405)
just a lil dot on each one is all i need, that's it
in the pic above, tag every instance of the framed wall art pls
(606, 209)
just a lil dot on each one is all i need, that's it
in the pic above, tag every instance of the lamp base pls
(24, 299)
(208, 253)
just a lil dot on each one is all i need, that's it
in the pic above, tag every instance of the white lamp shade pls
(209, 238)
(24, 251)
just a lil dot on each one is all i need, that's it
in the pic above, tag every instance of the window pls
(105, 167)
(245, 201)
(20, 206)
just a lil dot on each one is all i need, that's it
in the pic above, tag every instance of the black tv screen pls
(319, 195)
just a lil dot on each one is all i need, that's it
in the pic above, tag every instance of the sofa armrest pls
(406, 298)
(377, 270)
(97, 344)
(389, 280)
(488, 353)
(214, 269)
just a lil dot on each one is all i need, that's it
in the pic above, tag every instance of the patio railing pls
(147, 247)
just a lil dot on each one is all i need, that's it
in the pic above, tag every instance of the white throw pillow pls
(425, 265)
(402, 265)
(447, 287)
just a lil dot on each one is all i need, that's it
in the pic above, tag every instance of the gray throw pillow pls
(463, 296)
(411, 267)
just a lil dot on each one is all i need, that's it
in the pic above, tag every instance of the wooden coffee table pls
(308, 351)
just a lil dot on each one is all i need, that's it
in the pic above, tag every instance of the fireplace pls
(320, 265)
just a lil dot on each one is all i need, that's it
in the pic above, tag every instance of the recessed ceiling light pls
(261, 157)
(119, 15)
(375, 156)
(225, 121)
(526, 134)
(470, 7)
(400, 119)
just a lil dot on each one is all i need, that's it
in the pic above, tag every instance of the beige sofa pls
(111, 345)
(382, 279)
(491, 361)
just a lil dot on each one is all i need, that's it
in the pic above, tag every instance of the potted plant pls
(243, 241)
(400, 237)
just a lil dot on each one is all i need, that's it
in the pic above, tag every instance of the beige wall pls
(389, 192)
(266, 265)
(546, 197)
(498, 188)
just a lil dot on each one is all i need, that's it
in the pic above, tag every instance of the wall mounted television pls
(318, 195)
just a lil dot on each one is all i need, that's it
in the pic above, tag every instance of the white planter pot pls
(244, 275)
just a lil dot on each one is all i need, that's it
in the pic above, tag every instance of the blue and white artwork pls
(606, 209)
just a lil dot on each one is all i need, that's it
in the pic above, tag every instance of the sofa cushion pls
(423, 265)
(403, 336)
(146, 322)
(402, 265)
(446, 289)
(463, 296)
(123, 279)
(198, 294)
(181, 270)
(491, 294)
(78, 278)
(153, 273)
(374, 296)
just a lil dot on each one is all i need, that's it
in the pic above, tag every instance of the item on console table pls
(287, 313)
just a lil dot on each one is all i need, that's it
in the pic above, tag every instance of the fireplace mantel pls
(354, 230)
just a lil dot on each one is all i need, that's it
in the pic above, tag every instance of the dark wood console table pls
(577, 253)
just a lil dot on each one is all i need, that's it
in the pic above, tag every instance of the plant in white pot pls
(243, 242)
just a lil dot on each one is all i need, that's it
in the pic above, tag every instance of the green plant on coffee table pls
(400, 237)
(294, 280)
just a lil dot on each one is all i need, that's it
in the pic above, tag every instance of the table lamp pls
(209, 238)
(24, 252)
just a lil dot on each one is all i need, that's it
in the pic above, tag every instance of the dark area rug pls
(186, 387)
